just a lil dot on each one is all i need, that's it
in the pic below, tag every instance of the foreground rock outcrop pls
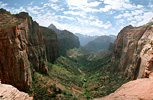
(140, 89)
(8, 92)
(132, 47)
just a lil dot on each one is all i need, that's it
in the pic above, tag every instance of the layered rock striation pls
(132, 47)
(140, 89)
(50, 41)
(8, 92)
(23, 49)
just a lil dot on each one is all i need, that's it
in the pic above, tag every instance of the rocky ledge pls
(8, 92)
(140, 89)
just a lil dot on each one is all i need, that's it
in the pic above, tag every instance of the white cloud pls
(119, 5)
(54, 6)
(77, 2)
(70, 18)
(130, 15)
(94, 4)
(145, 18)
(53, 1)
(137, 12)
(75, 13)
(46, 19)
(3, 4)
(106, 8)
(34, 10)
(119, 16)
(82, 30)
(83, 5)
(31, 3)
(14, 11)
(95, 23)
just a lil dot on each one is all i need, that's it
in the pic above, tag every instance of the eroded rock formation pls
(132, 45)
(8, 92)
(22, 49)
(140, 89)
(149, 64)
(50, 41)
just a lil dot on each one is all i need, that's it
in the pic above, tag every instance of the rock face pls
(132, 46)
(8, 92)
(50, 40)
(22, 50)
(140, 89)
(100, 43)
(66, 40)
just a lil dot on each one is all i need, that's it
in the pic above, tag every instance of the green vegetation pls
(74, 76)
(79, 76)
(8, 20)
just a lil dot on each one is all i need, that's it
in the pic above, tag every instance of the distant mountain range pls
(85, 39)
(100, 43)
(92, 44)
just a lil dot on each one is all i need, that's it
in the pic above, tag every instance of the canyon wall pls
(50, 41)
(22, 49)
(66, 40)
(132, 47)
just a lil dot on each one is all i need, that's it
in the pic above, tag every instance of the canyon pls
(49, 63)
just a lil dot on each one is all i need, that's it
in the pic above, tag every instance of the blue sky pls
(89, 17)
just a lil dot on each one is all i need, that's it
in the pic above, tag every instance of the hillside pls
(85, 39)
(100, 43)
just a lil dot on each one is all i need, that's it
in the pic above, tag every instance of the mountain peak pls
(52, 26)
(3, 11)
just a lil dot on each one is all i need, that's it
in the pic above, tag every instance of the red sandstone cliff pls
(50, 41)
(132, 45)
(22, 49)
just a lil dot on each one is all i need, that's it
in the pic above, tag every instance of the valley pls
(49, 64)
(79, 76)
